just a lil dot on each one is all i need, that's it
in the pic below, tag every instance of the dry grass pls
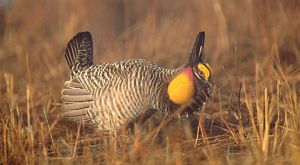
(253, 47)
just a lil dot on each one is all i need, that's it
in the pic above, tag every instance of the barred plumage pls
(111, 94)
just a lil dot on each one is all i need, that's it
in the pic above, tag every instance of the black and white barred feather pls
(111, 94)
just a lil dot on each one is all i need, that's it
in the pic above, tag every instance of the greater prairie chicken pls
(111, 94)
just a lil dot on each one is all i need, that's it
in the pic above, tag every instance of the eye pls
(205, 69)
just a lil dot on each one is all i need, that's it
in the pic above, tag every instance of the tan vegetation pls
(252, 46)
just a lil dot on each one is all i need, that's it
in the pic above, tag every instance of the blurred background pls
(249, 43)
(239, 36)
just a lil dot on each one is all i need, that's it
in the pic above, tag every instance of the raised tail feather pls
(197, 54)
(79, 51)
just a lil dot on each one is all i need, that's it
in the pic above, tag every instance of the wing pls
(120, 101)
(109, 107)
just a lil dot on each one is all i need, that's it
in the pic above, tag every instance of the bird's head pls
(194, 81)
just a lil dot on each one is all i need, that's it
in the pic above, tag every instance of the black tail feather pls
(197, 54)
(79, 51)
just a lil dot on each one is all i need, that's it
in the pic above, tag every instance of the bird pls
(109, 95)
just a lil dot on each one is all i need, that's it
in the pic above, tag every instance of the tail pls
(79, 51)
(197, 54)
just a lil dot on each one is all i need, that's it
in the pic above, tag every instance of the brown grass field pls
(253, 47)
